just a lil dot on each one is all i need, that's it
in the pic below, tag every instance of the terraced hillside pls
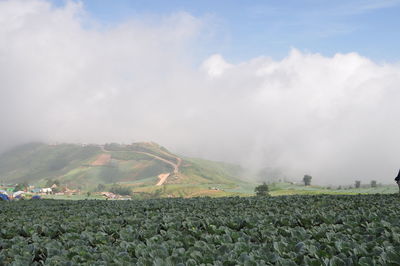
(144, 166)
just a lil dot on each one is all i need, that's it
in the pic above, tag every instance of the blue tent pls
(4, 197)
(36, 197)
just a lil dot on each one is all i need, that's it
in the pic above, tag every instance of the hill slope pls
(144, 166)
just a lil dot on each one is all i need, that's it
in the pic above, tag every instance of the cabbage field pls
(287, 230)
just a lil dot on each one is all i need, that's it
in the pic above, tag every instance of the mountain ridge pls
(142, 166)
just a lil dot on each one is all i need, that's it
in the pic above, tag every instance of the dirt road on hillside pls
(174, 165)
(162, 177)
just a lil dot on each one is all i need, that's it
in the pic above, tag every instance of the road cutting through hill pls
(162, 177)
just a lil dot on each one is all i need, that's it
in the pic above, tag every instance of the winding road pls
(164, 176)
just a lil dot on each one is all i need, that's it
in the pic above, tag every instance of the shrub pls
(307, 180)
(125, 191)
(262, 190)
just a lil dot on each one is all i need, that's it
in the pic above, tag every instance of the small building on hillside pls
(35, 190)
(18, 194)
(70, 192)
(109, 195)
(46, 190)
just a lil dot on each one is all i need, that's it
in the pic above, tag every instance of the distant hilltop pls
(142, 166)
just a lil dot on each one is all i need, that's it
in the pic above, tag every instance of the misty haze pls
(289, 110)
(69, 78)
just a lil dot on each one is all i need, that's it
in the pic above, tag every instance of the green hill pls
(146, 167)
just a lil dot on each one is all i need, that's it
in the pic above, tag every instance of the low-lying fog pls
(64, 77)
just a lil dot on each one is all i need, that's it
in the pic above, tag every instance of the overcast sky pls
(281, 86)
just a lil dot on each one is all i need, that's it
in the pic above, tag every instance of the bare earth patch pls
(102, 159)
(163, 178)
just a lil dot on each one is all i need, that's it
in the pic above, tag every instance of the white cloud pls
(378, 4)
(335, 118)
(215, 65)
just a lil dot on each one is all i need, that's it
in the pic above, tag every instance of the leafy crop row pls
(305, 230)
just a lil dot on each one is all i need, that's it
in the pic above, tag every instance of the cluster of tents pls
(4, 197)
(17, 195)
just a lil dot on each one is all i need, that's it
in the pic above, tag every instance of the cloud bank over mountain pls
(65, 77)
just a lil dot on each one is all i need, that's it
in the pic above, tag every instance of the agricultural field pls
(284, 230)
(280, 189)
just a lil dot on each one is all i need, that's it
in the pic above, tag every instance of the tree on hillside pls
(57, 189)
(358, 184)
(157, 193)
(307, 180)
(22, 186)
(101, 187)
(262, 190)
(51, 182)
(124, 191)
(373, 183)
